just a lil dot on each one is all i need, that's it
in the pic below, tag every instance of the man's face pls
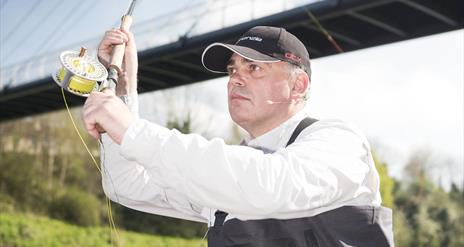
(252, 88)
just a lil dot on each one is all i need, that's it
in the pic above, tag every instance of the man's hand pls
(105, 108)
(108, 111)
(128, 79)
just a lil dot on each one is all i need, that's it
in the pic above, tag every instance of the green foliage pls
(155, 224)
(40, 160)
(20, 179)
(21, 230)
(402, 230)
(456, 226)
(184, 127)
(76, 206)
(435, 216)
(386, 183)
(428, 231)
(7, 203)
(456, 194)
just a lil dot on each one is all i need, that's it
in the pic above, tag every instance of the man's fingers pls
(128, 36)
(108, 91)
(108, 111)
(90, 125)
(117, 35)
(92, 130)
(94, 133)
(91, 112)
(113, 40)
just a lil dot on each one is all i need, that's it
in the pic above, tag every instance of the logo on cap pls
(252, 38)
(293, 57)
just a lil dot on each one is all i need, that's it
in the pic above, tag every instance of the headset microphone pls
(271, 102)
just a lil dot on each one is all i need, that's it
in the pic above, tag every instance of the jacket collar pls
(278, 137)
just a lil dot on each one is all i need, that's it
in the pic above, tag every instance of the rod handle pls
(118, 50)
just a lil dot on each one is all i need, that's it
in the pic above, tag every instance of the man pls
(295, 181)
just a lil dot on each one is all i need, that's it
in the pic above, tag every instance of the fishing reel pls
(80, 74)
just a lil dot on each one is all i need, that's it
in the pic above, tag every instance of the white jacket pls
(162, 171)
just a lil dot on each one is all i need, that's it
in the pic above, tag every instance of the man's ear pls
(301, 86)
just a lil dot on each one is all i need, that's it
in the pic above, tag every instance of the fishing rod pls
(81, 74)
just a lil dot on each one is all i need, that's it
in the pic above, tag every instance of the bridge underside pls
(355, 24)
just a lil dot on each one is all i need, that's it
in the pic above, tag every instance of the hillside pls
(24, 230)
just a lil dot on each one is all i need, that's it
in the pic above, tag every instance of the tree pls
(386, 183)
(402, 230)
(434, 215)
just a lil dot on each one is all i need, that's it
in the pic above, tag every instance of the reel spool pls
(79, 73)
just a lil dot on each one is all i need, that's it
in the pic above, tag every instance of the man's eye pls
(231, 70)
(254, 67)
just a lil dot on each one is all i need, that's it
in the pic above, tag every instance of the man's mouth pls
(235, 96)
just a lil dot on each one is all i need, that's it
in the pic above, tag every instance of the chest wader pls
(363, 226)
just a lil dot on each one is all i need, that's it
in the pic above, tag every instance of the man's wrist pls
(126, 85)
(124, 98)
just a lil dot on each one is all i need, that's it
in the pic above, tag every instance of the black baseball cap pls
(259, 44)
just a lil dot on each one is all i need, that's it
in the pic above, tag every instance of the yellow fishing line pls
(111, 221)
(77, 130)
(113, 229)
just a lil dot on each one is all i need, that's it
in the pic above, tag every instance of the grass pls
(23, 230)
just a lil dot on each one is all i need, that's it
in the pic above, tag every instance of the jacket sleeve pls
(327, 164)
(133, 185)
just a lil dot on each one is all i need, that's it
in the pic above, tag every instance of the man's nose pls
(236, 79)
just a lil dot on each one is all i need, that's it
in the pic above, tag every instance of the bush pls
(76, 206)
(155, 224)
(22, 180)
(6, 203)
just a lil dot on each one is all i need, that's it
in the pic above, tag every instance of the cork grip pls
(118, 50)
(117, 57)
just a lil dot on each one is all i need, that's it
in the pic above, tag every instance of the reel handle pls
(118, 50)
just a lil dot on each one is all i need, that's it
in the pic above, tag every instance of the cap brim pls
(216, 56)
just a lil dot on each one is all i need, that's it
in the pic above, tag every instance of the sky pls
(407, 97)
(30, 28)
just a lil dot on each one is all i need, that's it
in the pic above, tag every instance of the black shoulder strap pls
(220, 217)
(301, 126)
